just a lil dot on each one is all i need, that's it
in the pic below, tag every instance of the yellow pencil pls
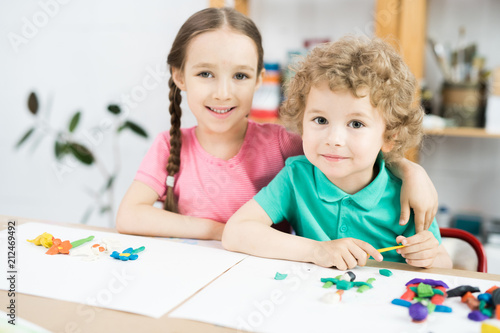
(390, 248)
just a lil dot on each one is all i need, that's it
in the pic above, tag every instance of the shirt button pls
(343, 228)
(346, 202)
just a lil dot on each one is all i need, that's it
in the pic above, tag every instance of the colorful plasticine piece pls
(490, 327)
(476, 315)
(430, 282)
(327, 284)
(81, 241)
(59, 247)
(365, 287)
(423, 293)
(344, 285)
(418, 312)
(280, 276)
(128, 254)
(332, 297)
(461, 290)
(385, 272)
(348, 276)
(443, 308)
(44, 239)
(424, 290)
(401, 302)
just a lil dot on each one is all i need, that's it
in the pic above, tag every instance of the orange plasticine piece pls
(489, 291)
(466, 296)
(59, 247)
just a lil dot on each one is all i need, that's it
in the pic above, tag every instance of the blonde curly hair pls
(358, 65)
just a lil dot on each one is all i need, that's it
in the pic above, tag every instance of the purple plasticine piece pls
(431, 282)
(418, 312)
(476, 315)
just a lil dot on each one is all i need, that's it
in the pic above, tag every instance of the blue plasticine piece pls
(487, 298)
(401, 302)
(442, 308)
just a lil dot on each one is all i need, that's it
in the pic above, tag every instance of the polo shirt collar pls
(367, 198)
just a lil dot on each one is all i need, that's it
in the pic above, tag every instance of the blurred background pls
(88, 78)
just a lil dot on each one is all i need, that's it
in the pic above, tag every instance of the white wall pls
(86, 55)
(92, 53)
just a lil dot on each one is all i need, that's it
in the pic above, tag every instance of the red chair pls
(482, 265)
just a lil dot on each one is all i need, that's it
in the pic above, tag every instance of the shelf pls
(471, 132)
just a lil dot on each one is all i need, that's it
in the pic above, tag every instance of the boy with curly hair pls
(353, 102)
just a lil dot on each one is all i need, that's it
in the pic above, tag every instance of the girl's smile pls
(221, 112)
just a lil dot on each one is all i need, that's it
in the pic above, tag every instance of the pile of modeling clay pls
(344, 282)
(484, 306)
(422, 297)
(88, 251)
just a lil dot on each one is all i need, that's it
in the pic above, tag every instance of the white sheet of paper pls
(247, 297)
(165, 274)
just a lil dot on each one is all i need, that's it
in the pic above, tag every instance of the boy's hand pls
(421, 249)
(344, 253)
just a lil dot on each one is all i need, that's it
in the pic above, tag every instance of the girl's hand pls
(418, 193)
(344, 253)
(421, 249)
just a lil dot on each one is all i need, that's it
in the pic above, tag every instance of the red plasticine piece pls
(409, 294)
(437, 299)
(497, 311)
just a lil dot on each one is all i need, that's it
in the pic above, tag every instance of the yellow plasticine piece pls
(44, 239)
(125, 254)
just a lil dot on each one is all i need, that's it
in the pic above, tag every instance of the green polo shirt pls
(317, 209)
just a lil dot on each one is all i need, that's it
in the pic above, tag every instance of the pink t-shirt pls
(209, 187)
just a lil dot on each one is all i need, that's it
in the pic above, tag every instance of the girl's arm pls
(417, 192)
(249, 231)
(137, 215)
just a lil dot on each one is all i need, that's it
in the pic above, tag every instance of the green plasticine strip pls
(333, 280)
(81, 241)
(328, 284)
(139, 249)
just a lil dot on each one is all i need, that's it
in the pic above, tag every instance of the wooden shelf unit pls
(471, 132)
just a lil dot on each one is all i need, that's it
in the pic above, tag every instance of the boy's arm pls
(249, 231)
(418, 192)
(137, 215)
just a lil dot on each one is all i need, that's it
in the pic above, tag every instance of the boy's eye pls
(205, 75)
(240, 76)
(356, 124)
(320, 121)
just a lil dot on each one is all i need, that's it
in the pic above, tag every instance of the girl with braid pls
(204, 174)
